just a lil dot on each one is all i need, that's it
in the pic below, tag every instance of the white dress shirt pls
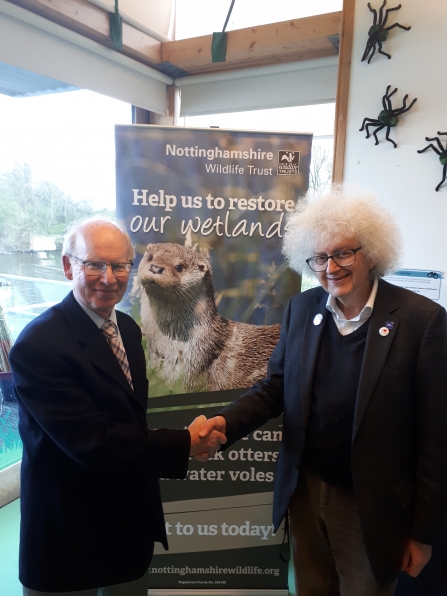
(97, 319)
(347, 326)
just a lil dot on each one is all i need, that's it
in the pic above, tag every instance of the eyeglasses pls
(98, 268)
(342, 258)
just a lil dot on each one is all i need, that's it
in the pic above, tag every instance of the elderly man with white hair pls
(90, 495)
(360, 374)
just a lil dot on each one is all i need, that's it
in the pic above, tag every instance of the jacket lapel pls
(311, 344)
(95, 344)
(377, 349)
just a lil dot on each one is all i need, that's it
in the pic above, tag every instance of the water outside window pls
(57, 165)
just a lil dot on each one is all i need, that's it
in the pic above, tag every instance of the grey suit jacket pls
(399, 443)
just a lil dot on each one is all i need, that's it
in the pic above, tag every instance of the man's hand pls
(217, 423)
(416, 556)
(204, 445)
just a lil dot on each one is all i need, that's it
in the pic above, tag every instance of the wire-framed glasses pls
(343, 258)
(98, 267)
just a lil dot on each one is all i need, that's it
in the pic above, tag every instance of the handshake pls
(207, 436)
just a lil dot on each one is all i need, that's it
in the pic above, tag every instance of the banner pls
(206, 209)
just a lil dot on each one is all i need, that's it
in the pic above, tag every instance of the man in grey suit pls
(360, 373)
(90, 495)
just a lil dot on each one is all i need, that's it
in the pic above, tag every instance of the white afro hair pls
(346, 211)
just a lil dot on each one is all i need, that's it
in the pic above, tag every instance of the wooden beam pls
(342, 97)
(90, 21)
(288, 41)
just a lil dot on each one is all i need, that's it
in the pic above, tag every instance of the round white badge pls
(318, 319)
(384, 331)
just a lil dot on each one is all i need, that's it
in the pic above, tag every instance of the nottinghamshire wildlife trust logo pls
(288, 162)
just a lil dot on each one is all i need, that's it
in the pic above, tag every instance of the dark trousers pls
(329, 553)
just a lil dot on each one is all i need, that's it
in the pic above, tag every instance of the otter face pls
(168, 267)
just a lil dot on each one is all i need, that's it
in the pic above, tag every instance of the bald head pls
(76, 233)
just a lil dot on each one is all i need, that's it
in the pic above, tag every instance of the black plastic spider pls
(441, 152)
(387, 117)
(378, 32)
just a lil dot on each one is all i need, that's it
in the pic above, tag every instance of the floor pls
(9, 548)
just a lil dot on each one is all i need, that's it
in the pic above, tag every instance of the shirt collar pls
(97, 319)
(366, 311)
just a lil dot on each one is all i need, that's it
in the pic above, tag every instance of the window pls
(202, 17)
(57, 164)
(318, 119)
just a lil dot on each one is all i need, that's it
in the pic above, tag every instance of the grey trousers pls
(137, 587)
(329, 553)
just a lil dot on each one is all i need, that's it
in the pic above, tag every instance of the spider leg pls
(376, 123)
(379, 43)
(437, 140)
(398, 25)
(387, 105)
(371, 120)
(435, 149)
(388, 96)
(375, 133)
(388, 10)
(444, 173)
(374, 11)
(392, 92)
(381, 13)
(373, 52)
(369, 46)
(387, 136)
(404, 108)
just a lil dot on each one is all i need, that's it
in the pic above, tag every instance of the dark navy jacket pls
(90, 498)
(399, 443)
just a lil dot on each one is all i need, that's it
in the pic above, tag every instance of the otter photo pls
(188, 342)
(210, 283)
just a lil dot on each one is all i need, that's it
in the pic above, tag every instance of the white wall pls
(403, 179)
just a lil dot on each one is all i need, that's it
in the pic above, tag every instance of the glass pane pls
(202, 17)
(317, 119)
(57, 165)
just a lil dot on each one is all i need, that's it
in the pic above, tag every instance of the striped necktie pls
(110, 330)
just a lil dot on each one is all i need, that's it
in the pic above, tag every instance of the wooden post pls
(171, 118)
(342, 97)
(173, 112)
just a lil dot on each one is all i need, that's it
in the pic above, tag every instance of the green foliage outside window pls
(28, 210)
